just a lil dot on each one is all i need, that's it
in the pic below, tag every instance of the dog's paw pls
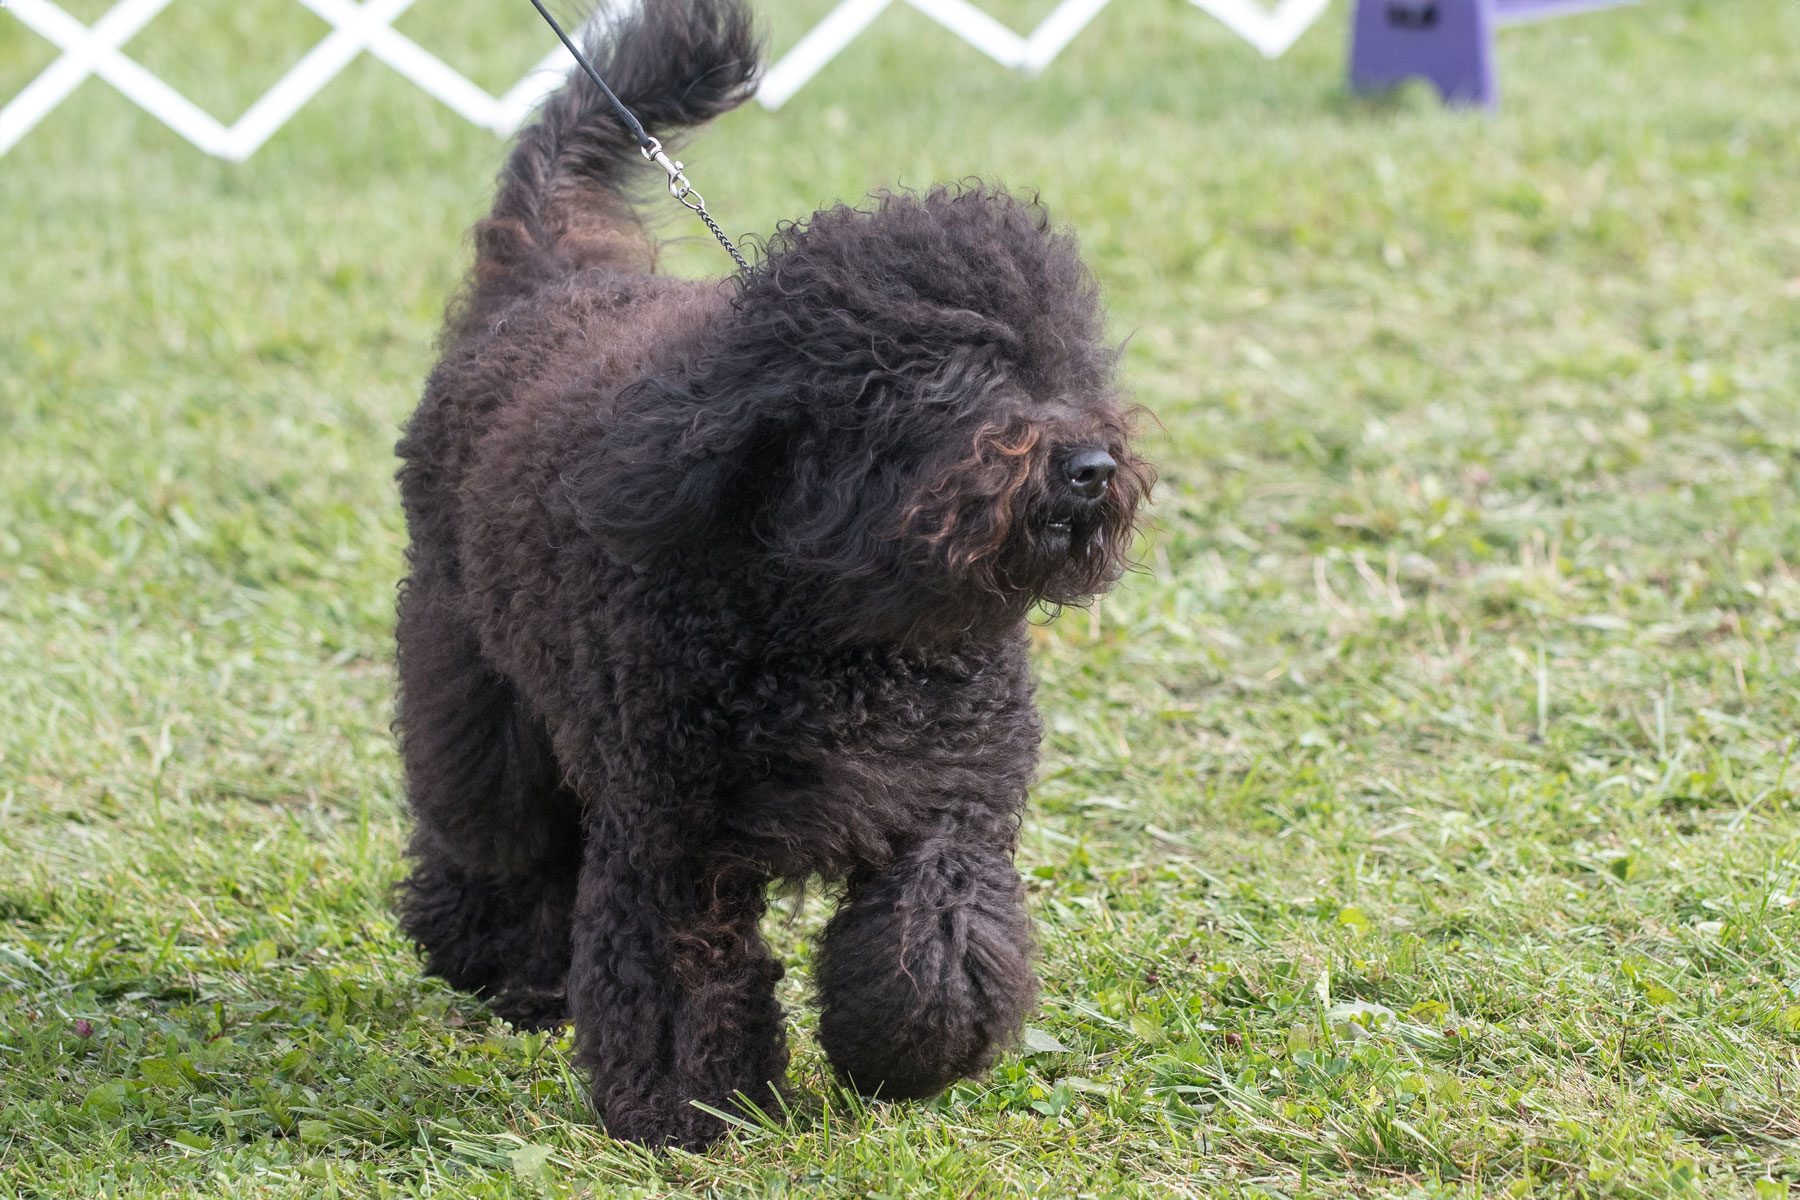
(925, 980)
(532, 1008)
(671, 1122)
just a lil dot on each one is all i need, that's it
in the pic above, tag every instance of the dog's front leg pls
(671, 987)
(925, 971)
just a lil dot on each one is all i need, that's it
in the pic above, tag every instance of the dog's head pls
(910, 416)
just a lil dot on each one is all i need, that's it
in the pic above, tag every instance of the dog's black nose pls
(1087, 471)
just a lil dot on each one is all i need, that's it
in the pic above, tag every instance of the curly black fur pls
(713, 584)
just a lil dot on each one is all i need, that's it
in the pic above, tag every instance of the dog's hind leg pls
(506, 939)
(924, 973)
(480, 772)
(497, 847)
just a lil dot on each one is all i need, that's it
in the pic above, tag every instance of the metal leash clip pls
(688, 198)
(679, 187)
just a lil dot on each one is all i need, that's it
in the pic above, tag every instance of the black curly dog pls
(718, 583)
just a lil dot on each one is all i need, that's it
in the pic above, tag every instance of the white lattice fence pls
(368, 27)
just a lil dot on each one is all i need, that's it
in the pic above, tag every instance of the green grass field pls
(1423, 821)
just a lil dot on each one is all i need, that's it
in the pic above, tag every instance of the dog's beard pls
(1065, 555)
(928, 594)
(976, 542)
(1055, 551)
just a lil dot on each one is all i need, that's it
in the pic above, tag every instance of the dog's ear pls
(673, 462)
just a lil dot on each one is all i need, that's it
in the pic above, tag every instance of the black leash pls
(649, 147)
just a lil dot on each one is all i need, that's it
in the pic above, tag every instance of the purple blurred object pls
(1449, 43)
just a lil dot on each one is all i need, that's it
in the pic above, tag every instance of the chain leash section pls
(687, 197)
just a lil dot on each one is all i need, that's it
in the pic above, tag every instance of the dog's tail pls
(561, 202)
